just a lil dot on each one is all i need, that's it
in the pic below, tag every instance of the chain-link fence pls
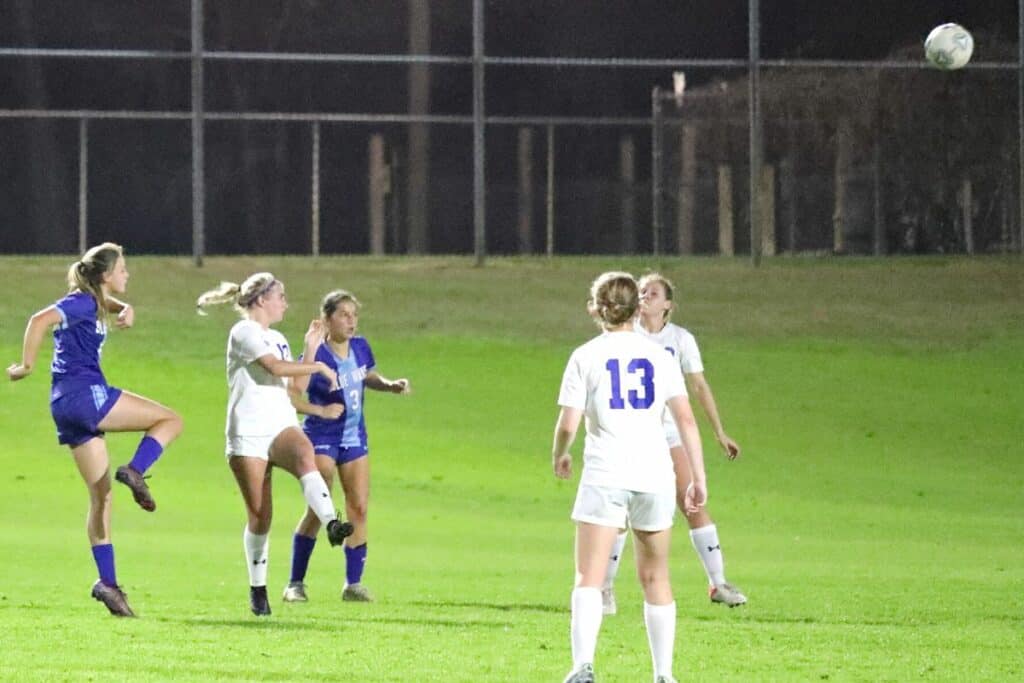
(188, 128)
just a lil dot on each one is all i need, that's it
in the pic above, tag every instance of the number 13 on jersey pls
(644, 371)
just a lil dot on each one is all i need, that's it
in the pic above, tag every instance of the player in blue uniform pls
(339, 441)
(84, 406)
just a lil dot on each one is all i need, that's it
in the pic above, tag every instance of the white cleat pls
(727, 594)
(608, 605)
(356, 592)
(295, 592)
(584, 674)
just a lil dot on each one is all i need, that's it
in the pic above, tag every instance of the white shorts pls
(620, 508)
(252, 446)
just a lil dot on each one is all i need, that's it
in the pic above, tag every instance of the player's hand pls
(17, 371)
(401, 386)
(316, 332)
(328, 373)
(731, 448)
(562, 466)
(126, 318)
(332, 411)
(695, 498)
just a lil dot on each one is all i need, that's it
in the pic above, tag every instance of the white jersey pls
(258, 403)
(680, 343)
(621, 381)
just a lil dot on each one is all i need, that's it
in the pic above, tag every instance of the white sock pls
(257, 548)
(614, 560)
(705, 542)
(318, 497)
(585, 625)
(661, 636)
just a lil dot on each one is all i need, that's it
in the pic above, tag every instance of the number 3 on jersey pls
(639, 401)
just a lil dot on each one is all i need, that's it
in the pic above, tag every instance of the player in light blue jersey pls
(339, 440)
(84, 406)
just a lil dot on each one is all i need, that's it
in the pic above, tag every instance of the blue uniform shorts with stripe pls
(340, 454)
(78, 414)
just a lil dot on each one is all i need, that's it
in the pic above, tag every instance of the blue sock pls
(146, 454)
(355, 560)
(302, 548)
(104, 556)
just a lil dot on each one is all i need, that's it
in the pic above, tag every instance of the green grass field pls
(875, 520)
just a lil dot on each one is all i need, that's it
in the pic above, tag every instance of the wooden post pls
(726, 246)
(524, 227)
(787, 198)
(767, 210)
(627, 198)
(967, 208)
(378, 184)
(686, 192)
(844, 152)
(549, 247)
(876, 169)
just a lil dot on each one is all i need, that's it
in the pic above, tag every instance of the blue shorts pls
(78, 414)
(340, 454)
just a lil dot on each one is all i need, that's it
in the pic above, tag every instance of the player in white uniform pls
(621, 383)
(262, 429)
(656, 307)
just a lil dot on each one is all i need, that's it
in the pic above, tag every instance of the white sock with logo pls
(257, 549)
(318, 497)
(705, 542)
(615, 560)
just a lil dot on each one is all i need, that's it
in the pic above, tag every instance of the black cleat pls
(338, 531)
(258, 602)
(114, 598)
(137, 483)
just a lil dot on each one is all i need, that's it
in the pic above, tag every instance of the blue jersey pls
(77, 344)
(349, 430)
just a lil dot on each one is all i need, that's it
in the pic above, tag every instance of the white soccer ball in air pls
(949, 46)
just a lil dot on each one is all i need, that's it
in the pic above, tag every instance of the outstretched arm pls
(289, 368)
(699, 387)
(377, 382)
(34, 333)
(565, 433)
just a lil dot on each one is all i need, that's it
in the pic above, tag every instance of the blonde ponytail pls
(243, 296)
(227, 292)
(86, 274)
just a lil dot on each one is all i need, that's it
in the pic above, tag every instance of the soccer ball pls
(949, 46)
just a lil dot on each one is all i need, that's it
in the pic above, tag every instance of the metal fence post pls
(479, 151)
(198, 164)
(314, 199)
(756, 161)
(656, 170)
(83, 185)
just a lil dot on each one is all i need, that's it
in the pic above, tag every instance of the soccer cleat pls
(295, 592)
(356, 592)
(608, 605)
(258, 602)
(727, 594)
(338, 531)
(584, 674)
(137, 483)
(114, 598)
